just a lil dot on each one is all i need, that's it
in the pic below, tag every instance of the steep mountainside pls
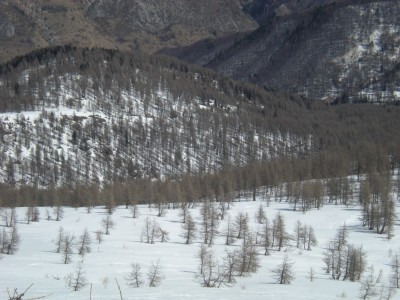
(347, 51)
(117, 24)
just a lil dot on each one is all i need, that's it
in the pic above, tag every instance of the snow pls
(36, 262)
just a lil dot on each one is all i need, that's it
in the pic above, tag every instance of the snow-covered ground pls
(37, 262)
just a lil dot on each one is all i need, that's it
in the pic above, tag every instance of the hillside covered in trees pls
(81, 119)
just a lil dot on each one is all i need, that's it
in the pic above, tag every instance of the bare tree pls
(134, 278)
(279, 233)
(201, 255)
(309, 239)
(368, 287)
(58, 212)
(77, 279)
(9, 216)
(99, 236)
(241, 224)
(344, 261)
(59, 240)
(395, 274)
(14, 240)
(210, 273)
(184, 211)
(189, 229)
(210, 222)
(266, 236)
(28, 214)
(248, 261)
(260, 214)
(67, 247)
(229, 232)
(84, 243)
(163, 234)
(135, 210)
(311, 274)
(283, 273)
(230, 266)
(107, 224)
(298, 233)
(150, 231)
(154, 275)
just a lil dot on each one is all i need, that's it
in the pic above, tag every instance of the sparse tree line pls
(373, 191)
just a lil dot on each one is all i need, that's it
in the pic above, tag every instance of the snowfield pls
(37, 263)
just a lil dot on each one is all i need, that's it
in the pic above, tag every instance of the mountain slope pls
(347, 51)
(81, 116)
(115, 24)
(78, 115)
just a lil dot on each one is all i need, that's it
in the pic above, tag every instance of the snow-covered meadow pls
(37, 263)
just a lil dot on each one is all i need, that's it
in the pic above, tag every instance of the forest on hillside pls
(106, 124)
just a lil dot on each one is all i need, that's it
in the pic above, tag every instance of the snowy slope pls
(37, 262)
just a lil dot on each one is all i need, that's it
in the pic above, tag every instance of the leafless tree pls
(298, 233)
(368, 287)
(134, 278)
(241, 225)
(84, 242)
(229, 232)
(210, 273)
(58, 212)
(150, 231)
(248, 261)
(311, 274)
(14, 240)
(210, 222)
(279, 234)
(283, 273)
(155, 275)
(99, 236)
(395, 270)
(188, 229)
(260, 214)
(344, 261)
(67, 247)
(230, 266)
(77, 279)
(201, 255)
(107, 224)
(59, 240)
(9, 216)
(135, 210)
(266, 236)
(163, 234)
